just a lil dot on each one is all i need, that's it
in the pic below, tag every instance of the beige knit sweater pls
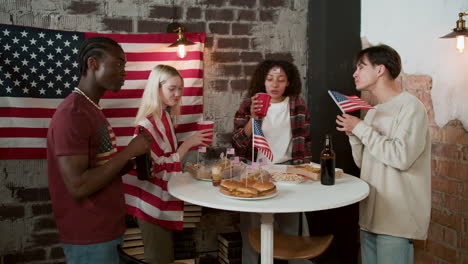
(392, 147)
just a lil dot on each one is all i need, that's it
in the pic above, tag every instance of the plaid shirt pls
(300, 127)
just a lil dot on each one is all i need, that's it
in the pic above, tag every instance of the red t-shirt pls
(79, 128)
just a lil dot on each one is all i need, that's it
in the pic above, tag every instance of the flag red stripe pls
(261, 145)
(151, 198)
(191, 109)
(357, 107)
(347, 103)
(354, 105)
(129, 93)
(156, 148)
(123, 131)
(261, 142)
(137, 93)
(193, 91)
(131, 112)
(26, 112)
(120, 112)
(149, 38)
(352, 97)
(182, 128)
(22, 153)
(162, 56)
(143, 75)
(109, 112)
(29, 132)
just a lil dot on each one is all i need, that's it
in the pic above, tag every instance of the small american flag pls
(230, 151)
(260, 141)
(252, 165)
(349, 103)
(235, 160)
(201, 149)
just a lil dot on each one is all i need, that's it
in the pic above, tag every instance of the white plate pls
(249, 198)
(293, 178)
(289, 182)
(272, 168)
(207, 179)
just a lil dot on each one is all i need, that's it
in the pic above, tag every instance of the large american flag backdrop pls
(38, 69)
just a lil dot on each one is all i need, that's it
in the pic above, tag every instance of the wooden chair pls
(126, 258)
(289, 247)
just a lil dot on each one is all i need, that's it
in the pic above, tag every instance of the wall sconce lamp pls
(460, 32)
(181, 41)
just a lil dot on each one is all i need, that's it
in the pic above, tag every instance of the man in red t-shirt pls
(84, 166)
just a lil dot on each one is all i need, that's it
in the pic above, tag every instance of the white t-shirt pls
(276, 127)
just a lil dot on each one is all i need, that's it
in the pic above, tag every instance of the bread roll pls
(250, 190)
(311, 172)
(305, 170)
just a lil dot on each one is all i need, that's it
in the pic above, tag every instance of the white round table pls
(303, 197)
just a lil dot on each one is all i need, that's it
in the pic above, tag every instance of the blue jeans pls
(102, 253)
(384, 249)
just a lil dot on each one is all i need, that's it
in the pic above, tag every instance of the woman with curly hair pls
(286, 127)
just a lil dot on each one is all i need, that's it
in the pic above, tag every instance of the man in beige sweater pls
(392, 147)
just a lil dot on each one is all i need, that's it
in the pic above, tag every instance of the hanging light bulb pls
(459, 33)
(460, 43)
(181, 51)
(181, 42)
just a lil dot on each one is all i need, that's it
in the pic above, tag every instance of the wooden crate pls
(133, 240)
(230, 248)
(133, 243)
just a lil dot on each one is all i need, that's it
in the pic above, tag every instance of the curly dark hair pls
(93, 47)
(257, 84)
(382, 55)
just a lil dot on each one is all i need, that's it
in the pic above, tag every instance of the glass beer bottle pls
(327, 163)
(143, 163)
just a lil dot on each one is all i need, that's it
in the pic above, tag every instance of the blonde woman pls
(157, 212)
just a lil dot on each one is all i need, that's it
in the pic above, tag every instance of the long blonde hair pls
(151, 102)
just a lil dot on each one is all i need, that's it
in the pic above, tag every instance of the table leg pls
(266, 238)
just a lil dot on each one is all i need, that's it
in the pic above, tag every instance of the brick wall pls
(447, 240)
(27, 228)
(240, 33)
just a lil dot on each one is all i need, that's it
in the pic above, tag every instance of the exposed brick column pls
(447, 240)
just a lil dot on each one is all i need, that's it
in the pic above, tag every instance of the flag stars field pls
(39, 68)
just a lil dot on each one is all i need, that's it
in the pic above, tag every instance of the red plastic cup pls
(202, 125)
(265, 98)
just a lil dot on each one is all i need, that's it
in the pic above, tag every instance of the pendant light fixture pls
(460, 33)
(181, 41)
